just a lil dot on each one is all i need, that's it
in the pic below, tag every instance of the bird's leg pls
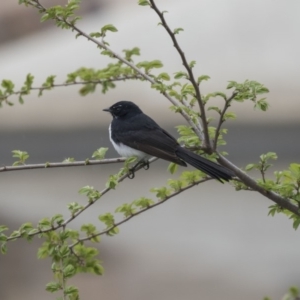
(143, 163)
(131, 173)
(146, 165)
(132, 170)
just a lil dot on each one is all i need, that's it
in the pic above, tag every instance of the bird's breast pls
(125, 150)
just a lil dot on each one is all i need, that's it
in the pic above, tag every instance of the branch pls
(75, 215)
(221, 121)
(191, 77)
(42, 88)
(105, 231)
(198, 130)
(63, 164)
(282, 202)
(42, 9)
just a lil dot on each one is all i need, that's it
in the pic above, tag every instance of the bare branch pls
(191, 77)
(86, 162)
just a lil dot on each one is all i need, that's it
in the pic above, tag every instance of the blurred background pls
(208, 243)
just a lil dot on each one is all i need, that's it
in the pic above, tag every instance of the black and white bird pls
(133, 133)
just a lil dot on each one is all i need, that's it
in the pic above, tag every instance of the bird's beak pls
(106, 109)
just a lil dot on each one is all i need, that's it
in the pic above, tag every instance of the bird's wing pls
(152, 140)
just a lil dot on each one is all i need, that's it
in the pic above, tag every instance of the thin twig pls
(62, 275)
(243, 176)
(86, 162)
(75, 215)
(137, 213)
(191, 76)
(262, 172)
(221, 120)
(247, 180)
(43, 88)
(126, 62)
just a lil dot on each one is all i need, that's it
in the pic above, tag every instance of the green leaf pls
(98, 269)
(192, 176)
(88, 228)
(64, 251)
(271, 155)
(156, 64)
(108, 219)
(176, 185)
(3, 237)
(113, 231)
(294, 291)
(215, 108)
(90, 192)
(53, 287)
(72, 291)
(296, 223)
(125, 209)
(21, 100)
(45, 17)
(21, 155)
(108, 53)
(109, 27)
(74, 208)
(250, 167)
(172, 168)
(192, 64)
(143, 2)
(49, 81)
(177, 30)
(57, 219)
(95, 34)
(143, 202)
(262, 104)
(163, 76)
(229, 115)
(112, 182)
(161, 193)
(69, 271)
(180, 74)
(8, 86)
(203, 77)
(100, 153)
(69, 160)
(231, 84)
(3, 228)
(28, 83)
(130, 52)
(147, 65)
(3, 248)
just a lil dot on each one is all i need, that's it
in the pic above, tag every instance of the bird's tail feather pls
(212, 169)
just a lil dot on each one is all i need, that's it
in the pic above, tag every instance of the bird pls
(133, 133)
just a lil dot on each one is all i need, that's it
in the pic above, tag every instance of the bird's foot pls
(146, 165)
(131, 173)
(143, 164)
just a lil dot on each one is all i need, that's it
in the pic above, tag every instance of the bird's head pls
(123, 108)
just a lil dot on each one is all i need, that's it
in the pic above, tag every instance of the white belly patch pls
(126, 151)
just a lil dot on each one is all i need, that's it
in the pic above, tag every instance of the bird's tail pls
(212, 169)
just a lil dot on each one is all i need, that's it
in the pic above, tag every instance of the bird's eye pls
(118, 108)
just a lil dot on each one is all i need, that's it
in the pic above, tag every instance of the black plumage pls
(134, 133)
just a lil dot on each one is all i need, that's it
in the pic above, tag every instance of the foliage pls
(67, 248)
